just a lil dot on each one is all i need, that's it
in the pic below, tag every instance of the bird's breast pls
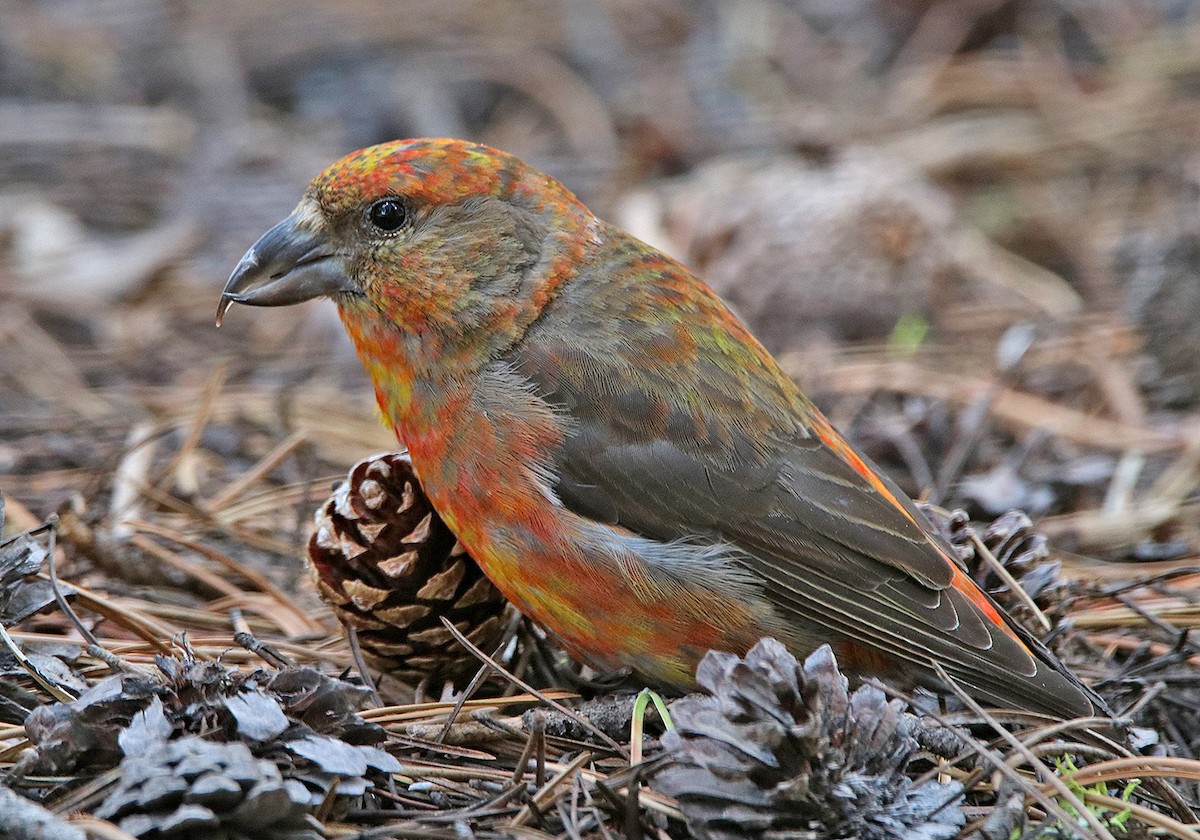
(485, 447)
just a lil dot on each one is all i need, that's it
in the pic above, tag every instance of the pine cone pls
(843, 249)
(781, 750)
(1019, 548)
(391, 569)
(1157, 268)
(195, 789)
(954, 526)
(296, 710)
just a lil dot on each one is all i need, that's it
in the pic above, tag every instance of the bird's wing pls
(699, 451)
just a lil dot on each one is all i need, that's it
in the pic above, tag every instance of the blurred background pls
(968, 227)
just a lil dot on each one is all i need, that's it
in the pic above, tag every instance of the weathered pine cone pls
(199, 790)
(1020, 549)
(391, 569)
(784, 750)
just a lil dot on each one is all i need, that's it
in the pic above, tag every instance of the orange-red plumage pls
(626, 463)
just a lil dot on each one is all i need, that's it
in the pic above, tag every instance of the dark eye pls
(388, 214)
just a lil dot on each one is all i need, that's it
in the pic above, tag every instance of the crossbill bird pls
(624, 460)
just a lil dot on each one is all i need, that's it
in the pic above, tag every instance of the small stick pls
(264, 466)
(476, 681)
(1059, 786)
(574, 715)
(361, 664)
(94, 648)
(62, 695)
(244, 637)
(1006, 576)
(538, 801)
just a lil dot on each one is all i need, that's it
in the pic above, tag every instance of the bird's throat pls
(409, 391)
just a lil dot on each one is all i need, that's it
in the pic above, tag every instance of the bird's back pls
(683, 428)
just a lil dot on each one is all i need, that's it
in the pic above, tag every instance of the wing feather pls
(836, 545)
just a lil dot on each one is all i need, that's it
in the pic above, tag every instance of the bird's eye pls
(388, 214)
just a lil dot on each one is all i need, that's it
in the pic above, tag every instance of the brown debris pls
(21, 557)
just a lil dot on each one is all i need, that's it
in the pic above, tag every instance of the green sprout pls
(1067, 768)
(638, 724)
(909, 333)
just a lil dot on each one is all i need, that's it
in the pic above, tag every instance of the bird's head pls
(433, 237)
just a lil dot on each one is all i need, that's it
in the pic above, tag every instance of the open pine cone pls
(391, 569)
(784, 750)
(193, 789)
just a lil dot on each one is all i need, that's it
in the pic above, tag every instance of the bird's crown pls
(431, 171)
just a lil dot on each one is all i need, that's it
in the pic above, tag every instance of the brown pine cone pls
(391, 569)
